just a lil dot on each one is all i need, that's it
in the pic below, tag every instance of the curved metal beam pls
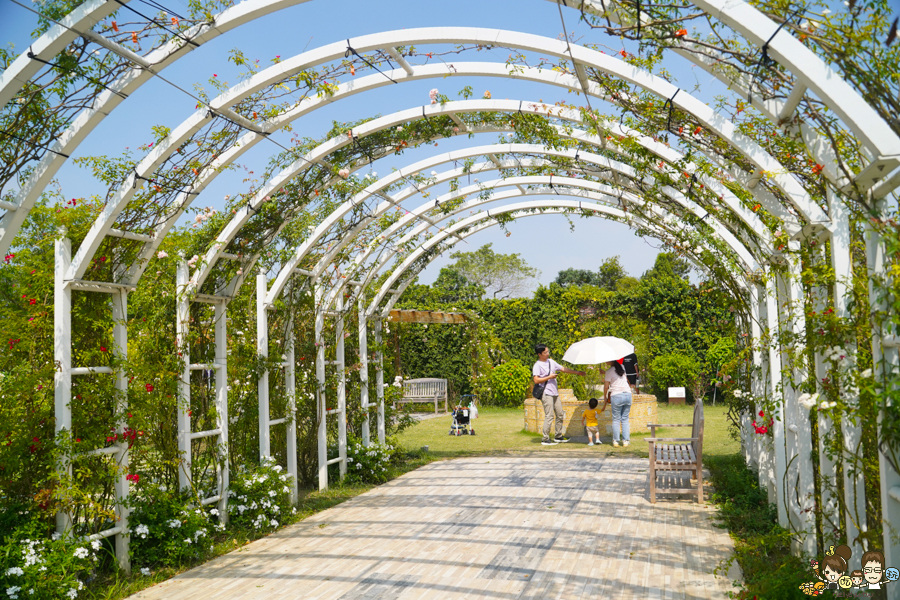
(398, 175)
(716, 123)
(584, 192)
(659, 149)
(474, 223)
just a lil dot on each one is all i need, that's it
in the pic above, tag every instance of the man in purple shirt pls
(544, 371)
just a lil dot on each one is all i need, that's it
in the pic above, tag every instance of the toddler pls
(590, 420)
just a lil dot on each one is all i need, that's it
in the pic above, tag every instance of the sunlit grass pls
(501, 431)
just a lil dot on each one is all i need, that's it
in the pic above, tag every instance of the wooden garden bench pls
(678, 454)
(425, 390)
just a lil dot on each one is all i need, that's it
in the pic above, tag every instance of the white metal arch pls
(758, 27)
(588, 189)
(567, 187)
(415, 269)
(399, 175)
(473, 223)
(699, 110)
(451, 108)
(595, 190)
(812, 72)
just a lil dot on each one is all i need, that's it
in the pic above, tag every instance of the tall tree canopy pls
(668, 264)
(501, 275)
(606, 277)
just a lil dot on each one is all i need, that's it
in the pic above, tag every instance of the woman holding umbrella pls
(618, 393)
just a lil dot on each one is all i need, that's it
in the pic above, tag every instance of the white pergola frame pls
(878, 179)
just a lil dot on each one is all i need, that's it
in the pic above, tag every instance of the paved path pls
(494, 528)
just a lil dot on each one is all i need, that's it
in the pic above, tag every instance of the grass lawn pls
(501, 431)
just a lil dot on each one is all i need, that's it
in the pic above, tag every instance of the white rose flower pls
(808, 401)
(145, 572)
(82, 553)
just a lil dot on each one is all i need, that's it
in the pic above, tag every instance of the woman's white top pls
(618, 384)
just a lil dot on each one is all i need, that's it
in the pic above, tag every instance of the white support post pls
(221, 375)
(363, 368)
(341, 384)
(799, 433)
(777, 394)
(262, 349)
(122, 488)
(322, 432)
(290, 388)
(62, 354)
(379, 380)
(884, 360)
(757, 376)
(182, 325)
(851, 433)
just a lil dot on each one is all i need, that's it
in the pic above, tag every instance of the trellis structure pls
(617, 169)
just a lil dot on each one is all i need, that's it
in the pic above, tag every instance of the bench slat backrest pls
(427, 387)
(697, 430)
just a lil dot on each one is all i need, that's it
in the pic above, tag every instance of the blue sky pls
(546, 243)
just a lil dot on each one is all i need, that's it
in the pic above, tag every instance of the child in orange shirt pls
(590, 419)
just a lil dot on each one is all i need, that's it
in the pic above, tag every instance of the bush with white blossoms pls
(260, 498)
(34, 564)
(369, 464)
(167, 528)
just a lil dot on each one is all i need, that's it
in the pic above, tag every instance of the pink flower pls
(345, 172)
(161, 254)
(433, 94)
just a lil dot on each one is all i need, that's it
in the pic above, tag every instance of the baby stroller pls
(462, 419)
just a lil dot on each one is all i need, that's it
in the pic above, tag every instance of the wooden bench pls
(678, 454)
(425, 390)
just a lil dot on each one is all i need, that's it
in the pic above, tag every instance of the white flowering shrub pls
(34, 564)
(260, 499)
(369, 465)
(168, 529)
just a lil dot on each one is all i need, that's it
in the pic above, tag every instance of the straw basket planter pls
(643, 411)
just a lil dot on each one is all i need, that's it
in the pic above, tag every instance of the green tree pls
(502, 275)
(668, 264)
(610, 273)
(607, 276)
(627, 283)
(569, 277)
(452, 286)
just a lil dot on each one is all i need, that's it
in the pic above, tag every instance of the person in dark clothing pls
(630, 363)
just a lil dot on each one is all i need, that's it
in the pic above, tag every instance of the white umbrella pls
(596, 350)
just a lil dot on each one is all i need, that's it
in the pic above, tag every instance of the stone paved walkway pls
(494, 528)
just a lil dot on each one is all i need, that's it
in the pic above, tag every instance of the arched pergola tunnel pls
(625, 174)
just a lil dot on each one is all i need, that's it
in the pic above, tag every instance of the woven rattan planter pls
(643, 411)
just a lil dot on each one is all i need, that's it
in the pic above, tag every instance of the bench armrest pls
(655, 439)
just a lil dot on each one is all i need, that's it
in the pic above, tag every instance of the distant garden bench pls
(425, 390)
(678, 454)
